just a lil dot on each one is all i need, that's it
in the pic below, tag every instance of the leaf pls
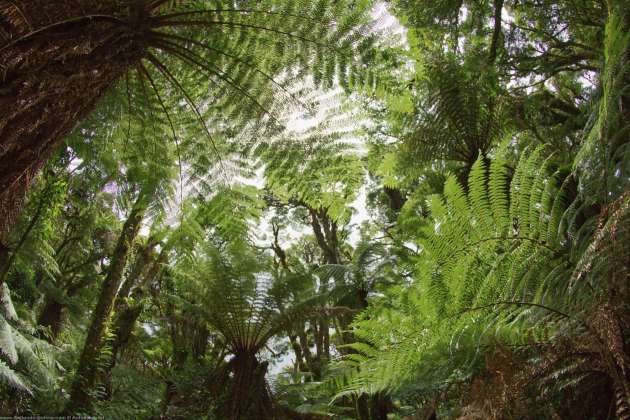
(7, 345)
(10, 377)
(7, 303)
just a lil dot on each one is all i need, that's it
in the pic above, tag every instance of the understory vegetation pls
(331, 209)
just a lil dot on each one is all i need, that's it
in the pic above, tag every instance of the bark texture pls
(249, 396)
(87, 371)
(57, 59)
(127, 313)
(51, 317)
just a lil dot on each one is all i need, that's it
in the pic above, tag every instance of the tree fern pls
(459, 115)
(472, 270)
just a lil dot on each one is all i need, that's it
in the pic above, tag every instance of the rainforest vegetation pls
(315, 209)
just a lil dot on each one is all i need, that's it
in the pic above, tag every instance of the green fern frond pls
(498, 188)
(11, 378)
(7, 343)
(7, 304)
(476, 270)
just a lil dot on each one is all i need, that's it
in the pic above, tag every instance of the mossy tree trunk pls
(87, 371)
(126, 312)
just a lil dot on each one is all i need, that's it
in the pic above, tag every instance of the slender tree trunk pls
(199, 342)
(126, 316)
(136, 275)
(325, 232)
(180, 353)
(325, 328)
(169, 393)
(6, 262)
(496, 32)
(87, 370)
(57, 59)
(297, 350)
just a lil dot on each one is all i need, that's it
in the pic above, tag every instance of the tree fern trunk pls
(52, 314)
(55, 64)
(87, 370)
(249, 397)
(51, 317)
(135, 277)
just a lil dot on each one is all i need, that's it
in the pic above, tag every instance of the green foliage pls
(603, 159)
(321, 172)
(459, 116)
(469, 266)
(232, 211)
(443, 232)
(26, 361)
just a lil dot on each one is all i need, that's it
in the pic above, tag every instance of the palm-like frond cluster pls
(460, 113)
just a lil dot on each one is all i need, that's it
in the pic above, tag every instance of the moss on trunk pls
(87, 371)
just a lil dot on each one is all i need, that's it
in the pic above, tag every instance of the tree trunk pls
(248, 396)
(179, 351)
(126, 316)
(51, 317)
(396, 199)
(87, 370)
(169, 393)
(325, 231)
(137, 273)
(300, 364)
(4, 254)
(52, 314)
(57, 59)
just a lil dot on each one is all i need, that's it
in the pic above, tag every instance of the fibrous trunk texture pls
(87, 370)
(249, 397)
(51, 317)
(57, 59)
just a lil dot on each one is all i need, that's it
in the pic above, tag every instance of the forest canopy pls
(331, 209)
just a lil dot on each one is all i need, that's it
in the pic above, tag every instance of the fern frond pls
(7, 343)
(10, 377)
